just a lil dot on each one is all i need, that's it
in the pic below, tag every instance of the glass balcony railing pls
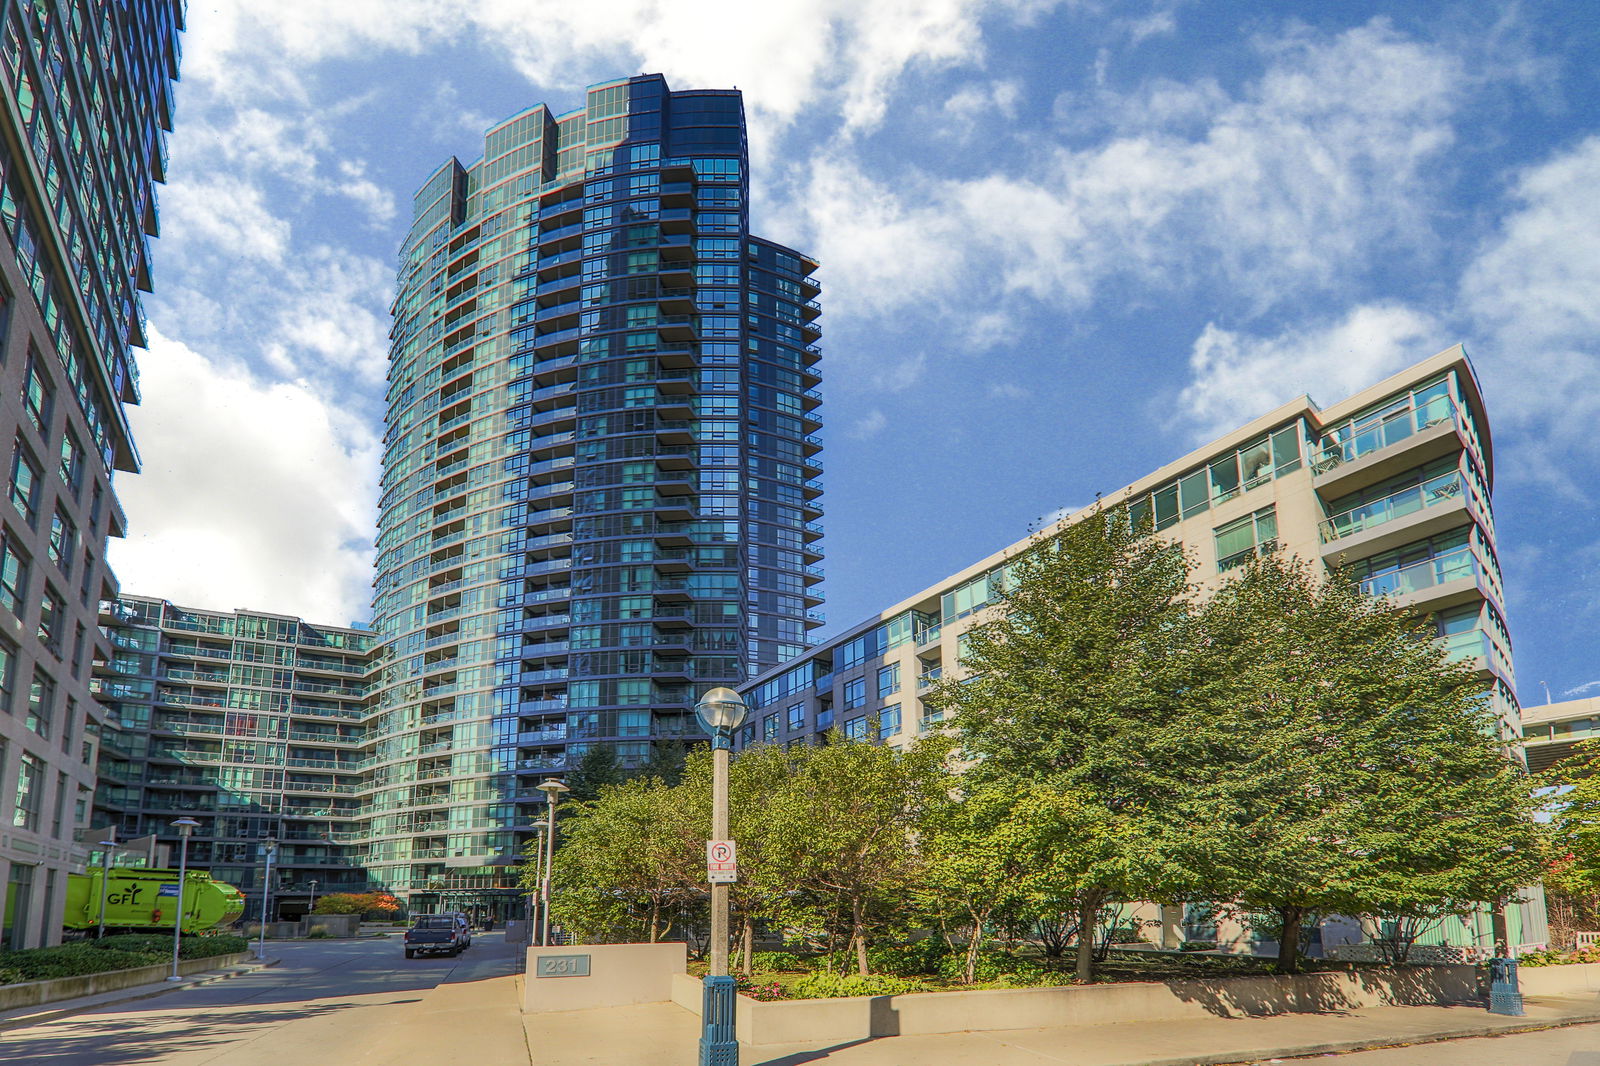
(1390, 430)
(1430, 493)
(1418, 577)
(1472, 644)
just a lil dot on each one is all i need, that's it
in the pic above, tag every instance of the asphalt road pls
(328, 1003)
(1576, 1045)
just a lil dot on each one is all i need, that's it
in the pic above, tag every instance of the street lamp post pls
(538, 882)
(721, 711)
(312, 906)
(185, 826)
(106, 849)
(268, 847)
(551, 789)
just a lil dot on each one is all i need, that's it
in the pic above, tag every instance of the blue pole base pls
(1505, 992)
(719, 1046)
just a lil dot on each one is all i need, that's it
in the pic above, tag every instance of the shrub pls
(766, 992)
(373, 906)
(996, 966)
(73, 960)
(317, 934)
(1561, 958)
(782, 962)
(831, 985)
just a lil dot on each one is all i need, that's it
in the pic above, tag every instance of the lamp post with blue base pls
(721, 711)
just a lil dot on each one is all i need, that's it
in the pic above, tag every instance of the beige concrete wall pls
(830, 1021)
(1559, 980)
(619, 974)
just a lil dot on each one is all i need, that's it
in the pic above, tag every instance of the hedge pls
(124, 952)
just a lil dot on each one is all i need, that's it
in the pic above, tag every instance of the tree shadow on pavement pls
(107, 1040)
(798, 1058)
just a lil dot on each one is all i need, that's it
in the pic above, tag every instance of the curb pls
(52, 1012)
(1369, 1044)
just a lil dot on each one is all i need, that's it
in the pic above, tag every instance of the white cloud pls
(227, 213)
(869, 425)
(1007, 390)
(1531, 295)
(1579, 690)
(1237, 376)
(254, 494)
(1282, 190)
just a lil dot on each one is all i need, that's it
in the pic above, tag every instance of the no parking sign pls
(722, 862)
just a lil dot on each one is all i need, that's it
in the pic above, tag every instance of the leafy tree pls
(1360, 772)
(999, 852)
(377, 906)
(838, 830)
(1081, 680)
(1572, 877)
(666, 762)
(626, 865)
(597, 770)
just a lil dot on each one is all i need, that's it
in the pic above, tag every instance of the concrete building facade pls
(85, 105)
(1394, 483)
(1551, 732)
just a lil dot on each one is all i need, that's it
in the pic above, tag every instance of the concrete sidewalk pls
(663, 1034)
(44, 1012)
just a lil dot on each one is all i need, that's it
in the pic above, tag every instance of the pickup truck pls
(434, 934)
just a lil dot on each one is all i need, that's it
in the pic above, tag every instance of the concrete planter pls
(1575, 979)
(602, 975)
(34, 993)
(835, 1021)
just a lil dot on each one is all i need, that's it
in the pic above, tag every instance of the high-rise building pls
(87, 103)
(248, 722)
(1553, 731)
(1392, 483)
(599, 493)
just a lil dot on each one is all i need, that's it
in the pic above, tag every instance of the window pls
(71, 462)
(25, 488)
(41, 703)
(30, 780)
(797, 717)
(769, 727)
(1239, 541)
(888, 680)
(889, 721)
(37, 395)
(855, 693)
(52, 620)
(856, 728)
(63, 540)
(8, 674)
(13, 576)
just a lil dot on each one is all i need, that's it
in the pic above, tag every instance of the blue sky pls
(1062, 244)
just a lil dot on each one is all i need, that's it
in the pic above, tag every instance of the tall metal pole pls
(720, 711)
(313, 904)
(185, 827)
(538, 881)
(106, 848)
(269, 846)
(551, 790)
(719, 831)
(549, 858)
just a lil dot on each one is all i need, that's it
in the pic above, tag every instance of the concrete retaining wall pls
(333, 925)
(34, 993)
(833, 1021)
(1559, 980)
(619, 974)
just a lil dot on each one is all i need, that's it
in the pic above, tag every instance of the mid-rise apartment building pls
(85, 104)
(250, 723)
(1393, 483)
(599, 493)
(1551, 732)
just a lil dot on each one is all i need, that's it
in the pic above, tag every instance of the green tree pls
(626, 865)
(839, 830)
(1359, 770)
(1082, 680)
(597, 770)
(666, 762)
(1000, 852)
(1572, 876)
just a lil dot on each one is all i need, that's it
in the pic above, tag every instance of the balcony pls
(1456, 577)
(1404, 438)
(1413, 513)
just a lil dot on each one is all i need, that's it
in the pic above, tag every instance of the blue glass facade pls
(599, 493)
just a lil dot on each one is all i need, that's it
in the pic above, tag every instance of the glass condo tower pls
(599, 488)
